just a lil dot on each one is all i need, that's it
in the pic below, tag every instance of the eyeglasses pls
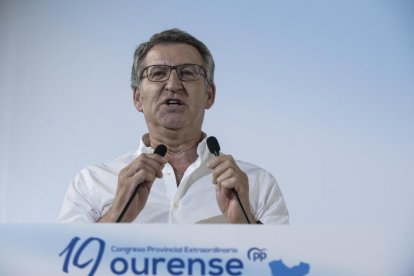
(186, 72)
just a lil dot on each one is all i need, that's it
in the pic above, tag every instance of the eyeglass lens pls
(186, 72)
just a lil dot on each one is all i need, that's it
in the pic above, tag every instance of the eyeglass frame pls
(202, 73)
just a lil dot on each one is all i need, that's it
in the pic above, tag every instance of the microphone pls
(213, 145)
(214, 148)
(160, 150)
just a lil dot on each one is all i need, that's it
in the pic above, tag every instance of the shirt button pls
(175, 205)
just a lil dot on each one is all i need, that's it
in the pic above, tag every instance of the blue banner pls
(153, 249)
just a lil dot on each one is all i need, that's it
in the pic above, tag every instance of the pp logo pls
(256, 254)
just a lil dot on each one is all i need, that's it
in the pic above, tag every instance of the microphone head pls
(161, 150)
(213, 145)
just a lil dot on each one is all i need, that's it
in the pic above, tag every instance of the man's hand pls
(228, 176)
(139, 173)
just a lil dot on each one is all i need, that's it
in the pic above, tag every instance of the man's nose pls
(173, 82)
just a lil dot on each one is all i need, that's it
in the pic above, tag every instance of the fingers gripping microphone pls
(214, 148)
(160, 150)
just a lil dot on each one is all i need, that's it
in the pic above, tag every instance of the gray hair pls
(165, 37)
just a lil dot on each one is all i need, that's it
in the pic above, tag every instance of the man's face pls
(174, 104)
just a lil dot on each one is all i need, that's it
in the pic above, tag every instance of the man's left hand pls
(228, 176)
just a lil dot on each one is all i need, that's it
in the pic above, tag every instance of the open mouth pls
(173, 102)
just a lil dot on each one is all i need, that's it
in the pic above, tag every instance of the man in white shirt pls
(173, 84)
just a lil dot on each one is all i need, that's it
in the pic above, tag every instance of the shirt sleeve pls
(267, 200)
(78, 203)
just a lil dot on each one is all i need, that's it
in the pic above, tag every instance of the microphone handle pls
(126, 207)
(246, 219)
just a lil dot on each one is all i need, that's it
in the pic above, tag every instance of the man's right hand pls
(139, 173)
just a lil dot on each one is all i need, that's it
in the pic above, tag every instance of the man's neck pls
(175, 141)
(182, 150)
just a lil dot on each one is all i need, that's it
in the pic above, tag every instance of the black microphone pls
(213, 145)
(214, 148)
(160, 150)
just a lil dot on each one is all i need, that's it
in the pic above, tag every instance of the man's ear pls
(211, 95)
(137, 99)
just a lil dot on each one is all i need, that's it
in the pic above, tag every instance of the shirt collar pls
(142, 148)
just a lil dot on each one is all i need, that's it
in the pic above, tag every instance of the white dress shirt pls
(91, 193)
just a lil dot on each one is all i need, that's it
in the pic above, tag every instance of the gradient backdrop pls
(320, 93)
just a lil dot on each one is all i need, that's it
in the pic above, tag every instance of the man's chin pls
(175, 126)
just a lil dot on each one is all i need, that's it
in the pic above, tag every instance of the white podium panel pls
(155, 249)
